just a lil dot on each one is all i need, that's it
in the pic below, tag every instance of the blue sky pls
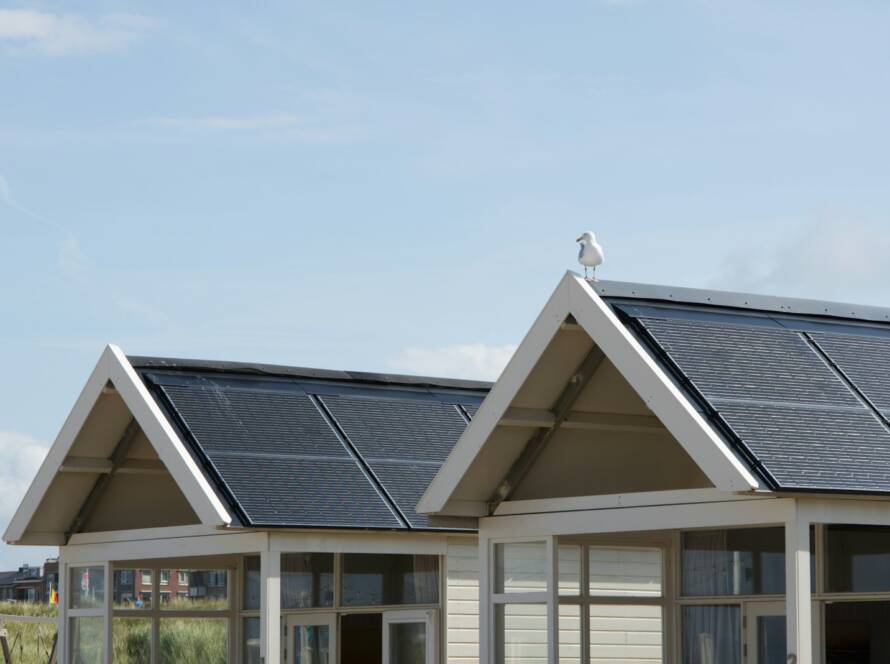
(397, 186)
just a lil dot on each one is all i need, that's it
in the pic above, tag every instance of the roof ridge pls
(737, 300)
(260, 369)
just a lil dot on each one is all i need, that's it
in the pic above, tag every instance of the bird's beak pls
(579, 239)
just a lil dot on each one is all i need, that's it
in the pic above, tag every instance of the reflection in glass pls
(520, 567)
(712, 635)
(569, 569)
(407, 643)
(86, 638)
(132, 589)
(386, 579)
(569, 634)
(520, 633)
(251, 583)
(307, 580)
(771, 640)
(858, 558)
(624, 571)
(626, 633)
(743, 561)
(251, 631)
(86, 587)
(207, 590)
(311, 644)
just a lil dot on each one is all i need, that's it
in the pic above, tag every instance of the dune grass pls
(182, 640)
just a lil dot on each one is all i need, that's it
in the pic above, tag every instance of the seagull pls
(591, 254)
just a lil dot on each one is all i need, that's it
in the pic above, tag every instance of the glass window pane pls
(307, 580)
(251, 583)
(626, 633)
(312, 644)
(857, 558)
(624, 571)
(86, 640)
(744, 561)
(712, 634)
(131, 640)
(857, 632)
(570, 634)
(86, 587)
(251, 641)
(375, 579)
(186, 640)
(206, 590)
(131, 590)
(569, 570)
(771, 640)
(520, 567)
(520, 633)
(407, 643)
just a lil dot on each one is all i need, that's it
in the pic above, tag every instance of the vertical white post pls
(552, 601)
(485, 636)
(270, 607)
(797, 587)
(109, 613)
(62, 628)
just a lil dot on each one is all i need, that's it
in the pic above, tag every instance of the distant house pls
(659, 475)
(30, 584)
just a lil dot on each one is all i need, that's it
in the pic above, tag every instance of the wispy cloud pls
(70, 259)
(22, 456)
(831, 256)
(24, 31)
(278, 124)
(230, 122)
(471, 361)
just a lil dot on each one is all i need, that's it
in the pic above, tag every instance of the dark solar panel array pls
(403, 441)
(316, 454)
(784, 392)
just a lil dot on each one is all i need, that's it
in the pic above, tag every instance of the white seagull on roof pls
(591, 254)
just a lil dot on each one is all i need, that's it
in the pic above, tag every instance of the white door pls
(310, 639)
(766, 639)
(409, 637)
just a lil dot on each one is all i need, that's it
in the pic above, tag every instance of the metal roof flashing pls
(743, 301)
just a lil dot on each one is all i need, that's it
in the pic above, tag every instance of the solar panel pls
(865, 360)
(404, 442)
(788, 407)
(276, 454)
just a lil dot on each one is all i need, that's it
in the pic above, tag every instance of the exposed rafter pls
(560, 411)
(533, 417)
(117, 458)
(95, 465)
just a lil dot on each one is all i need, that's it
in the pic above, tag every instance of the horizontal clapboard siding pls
(462, 587)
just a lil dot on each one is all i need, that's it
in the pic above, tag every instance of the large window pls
(86, 611)
(384, 579)
(744, 561)
(520, 602)
(612, 603)
(858, 559)
(307, 580)
(185, 626)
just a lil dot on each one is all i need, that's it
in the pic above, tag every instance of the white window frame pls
(103, 611)
(320, 619)
(428, 617)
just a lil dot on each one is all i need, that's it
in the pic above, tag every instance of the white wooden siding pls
(462, 588)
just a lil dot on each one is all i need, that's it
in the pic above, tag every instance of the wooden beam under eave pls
(544, 419)
(100, 466)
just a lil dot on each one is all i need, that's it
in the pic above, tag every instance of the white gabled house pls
(670, 475)
(659, 475)
(270, 507)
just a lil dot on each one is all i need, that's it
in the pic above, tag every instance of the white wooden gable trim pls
(113, 366)
(574, 296)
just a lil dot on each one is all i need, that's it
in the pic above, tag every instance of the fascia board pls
(725, 470)
(497, 401)
(59, 450)
(172, 451)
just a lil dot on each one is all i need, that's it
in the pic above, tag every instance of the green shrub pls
(30, 643)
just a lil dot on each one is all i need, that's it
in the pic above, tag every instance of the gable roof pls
(802, 388)
(294, 447)
(762, 392)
